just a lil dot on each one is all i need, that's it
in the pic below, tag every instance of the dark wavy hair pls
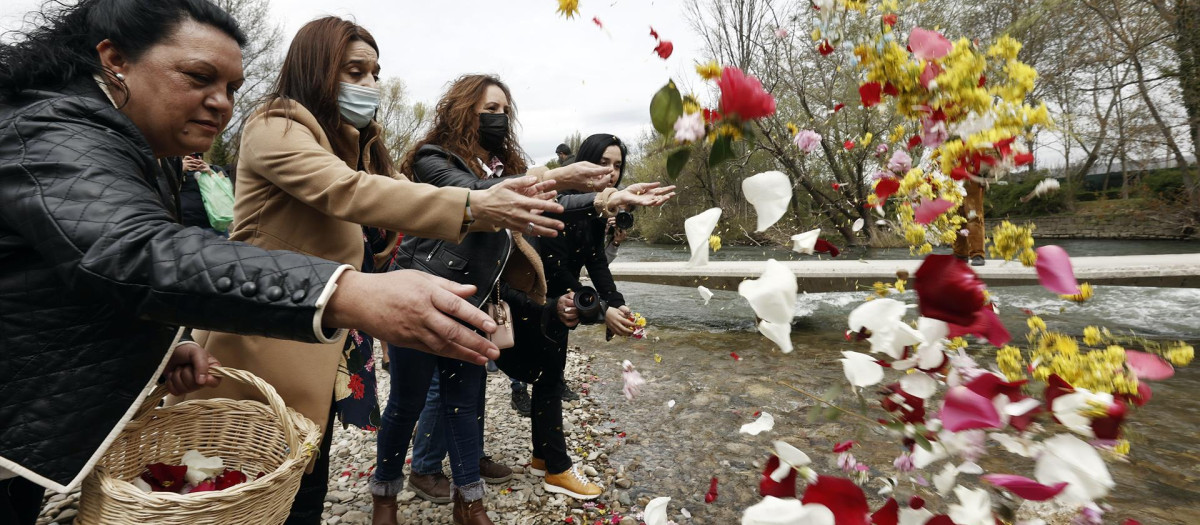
(309, 77)
(456, 126)
(592, 150)
(61, 46)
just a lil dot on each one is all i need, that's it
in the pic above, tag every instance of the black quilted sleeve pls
(77, 184)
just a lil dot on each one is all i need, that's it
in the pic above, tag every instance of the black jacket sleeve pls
(86, 199)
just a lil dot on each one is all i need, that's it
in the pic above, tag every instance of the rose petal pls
(1148, 366)
(974, 507)
(1024, 487)
(764, 423)
(858, 225)
(656, 511)
(780, 334)
(919, 384)
(966, 410)
(948, 290)
(698, 229)
(861, 369)
(885, 187)
(888, 514)
(929, 210)
(1071, 460)
(773, 294)
(841, 496)
(769, 192)
(768, 486)
(705, 294)
(789, 457)
(1054, 271)
(928, 45)
(870, 93)
(776, 511)
(987, 325)
(877, 316)
(805, 242)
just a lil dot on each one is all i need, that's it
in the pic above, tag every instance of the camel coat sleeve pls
(288, 154)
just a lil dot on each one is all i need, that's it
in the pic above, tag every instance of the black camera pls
(624, 219)
(590, 306)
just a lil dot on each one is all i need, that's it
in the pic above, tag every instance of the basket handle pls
(241, 376)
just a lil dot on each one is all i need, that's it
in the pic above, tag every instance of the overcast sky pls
(566, 75)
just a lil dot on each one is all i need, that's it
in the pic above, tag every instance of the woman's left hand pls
(642, 194)
(580, 176)
(619, 321)
(187, 370)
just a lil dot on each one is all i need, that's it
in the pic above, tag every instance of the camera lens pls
(624, 220)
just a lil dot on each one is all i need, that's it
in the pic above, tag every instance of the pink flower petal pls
(1148, 366)
(1054, 271)
(966, 410)
(1024, 487)
(928, 45)
(929, 210)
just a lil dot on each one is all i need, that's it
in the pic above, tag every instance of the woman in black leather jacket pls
(471, 145)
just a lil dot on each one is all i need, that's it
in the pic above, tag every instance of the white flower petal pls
(1068, 458)
(970, 467)
(1022, 407)
(932, 329)
(780, 334)
(879, 315)
(861, 369)
(805, 242)
(944, 480)
(1069, 409)
(919, 384)
(789, 511)
(858, 225)
(1019, 446)
(705, 294)
(764, 423)
(142, 485)
(698, 229)
(791, 455)
(974, 507)
(773, 294)
(769, 192)
(923, 458)
(656, 511)
(915, 516)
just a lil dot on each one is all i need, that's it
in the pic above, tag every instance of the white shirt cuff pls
(330, 287)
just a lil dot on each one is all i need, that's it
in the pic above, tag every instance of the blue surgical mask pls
(357, 104)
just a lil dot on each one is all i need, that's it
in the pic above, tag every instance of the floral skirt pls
(355, 393)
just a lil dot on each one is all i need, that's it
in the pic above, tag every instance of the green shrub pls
(1005, 200)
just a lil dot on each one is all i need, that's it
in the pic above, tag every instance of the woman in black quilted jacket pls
(96, 274)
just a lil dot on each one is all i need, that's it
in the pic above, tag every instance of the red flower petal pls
(743, 95)
(596, 20)
(838, 107)
(779, 489)
(886, 187)
(164, 478)
(929, 210)
(940, 519)
(888, 514)
(1109, 427)
(205, 486)
(735, 356)
(916, 503)
(928, 45)
(1144, 393)
(824, 48)
(664, 49)
(966, 410)
(991, 385)
(1054, 270)
(987, 325)
(959, 173)
(230, 478)
(982, 80)
(824, 246)
(1148, 366)
(1056, 386)
(1023, 159)
(849, 144)
(653, 33)
(843, 446)
(1024, 487)
(948, 290)
(931, 71)
(911, 411)
(845, 499)
(914, 141)
(711, 495)
(890, 19)
(870, 93)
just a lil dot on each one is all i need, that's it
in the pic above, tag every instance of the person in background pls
(90, 309)
(563, 152)
(313, 171)
(615, 237)
(970, 246)
(192, 211)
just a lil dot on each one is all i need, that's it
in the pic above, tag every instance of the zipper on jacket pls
(503, 264)
(434, 251)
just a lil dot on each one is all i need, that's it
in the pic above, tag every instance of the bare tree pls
(403, 121)
(261, 59)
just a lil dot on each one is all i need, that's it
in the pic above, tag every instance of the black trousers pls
(310, 499)
(540, 360)
(20, 501)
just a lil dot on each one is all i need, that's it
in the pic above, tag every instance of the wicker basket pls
(247, 435)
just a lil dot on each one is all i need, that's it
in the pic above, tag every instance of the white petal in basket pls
(705, 294)
(769, 192)
(772, 295)
(780, 334)
(656, 511)
(805, 242)
(200, 468)
(764, 423)
(698, 230)
(786, 511)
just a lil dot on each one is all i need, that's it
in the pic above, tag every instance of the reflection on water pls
(678, 450)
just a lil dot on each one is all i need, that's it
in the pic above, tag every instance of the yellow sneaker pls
(537, 467)
(572, 483)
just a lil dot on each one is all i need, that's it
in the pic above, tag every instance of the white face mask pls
(357, 104)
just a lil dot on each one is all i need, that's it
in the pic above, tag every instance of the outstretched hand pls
(642, 194)
(517, 204)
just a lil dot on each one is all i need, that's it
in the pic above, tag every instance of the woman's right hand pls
(618, 321)
(517, 204)
(641, 194)
(566, 310)
(581, 176)
(415, 310)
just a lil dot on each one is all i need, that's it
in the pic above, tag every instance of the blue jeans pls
(459, 414)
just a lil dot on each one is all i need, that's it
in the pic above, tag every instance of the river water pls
(675, 451)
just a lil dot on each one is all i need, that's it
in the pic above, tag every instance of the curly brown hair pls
(456, 126)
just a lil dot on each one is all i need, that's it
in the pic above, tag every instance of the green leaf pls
(665, 108)
(923, 443)
(832, 414)
(722, 150)
(677, 160)
(814, 414)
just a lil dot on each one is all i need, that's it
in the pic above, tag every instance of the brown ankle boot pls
(470, 512)
(383, 510)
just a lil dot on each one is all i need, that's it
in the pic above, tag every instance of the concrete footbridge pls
(840, 275)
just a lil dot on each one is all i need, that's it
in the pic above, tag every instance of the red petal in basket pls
(1055, 272)
(205, 486)
(1148, 366)
(230, 478)
(1024, 487)
(164, 478)
(929, 210)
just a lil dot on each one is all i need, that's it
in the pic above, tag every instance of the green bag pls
(217, 192)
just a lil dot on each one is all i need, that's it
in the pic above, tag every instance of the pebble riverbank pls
(592, 435)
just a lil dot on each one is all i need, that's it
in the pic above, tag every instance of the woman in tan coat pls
(312, 171)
